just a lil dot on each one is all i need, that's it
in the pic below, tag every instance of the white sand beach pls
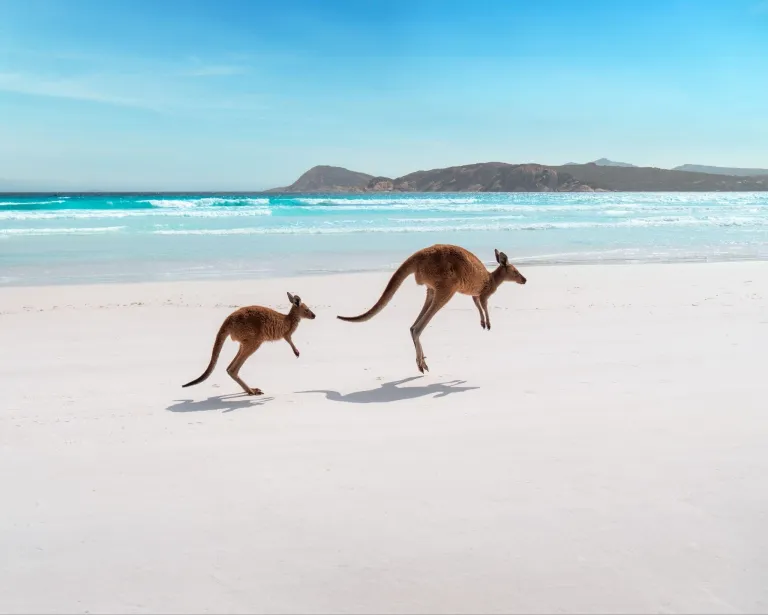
(604, 448)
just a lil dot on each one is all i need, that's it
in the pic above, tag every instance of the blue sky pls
(169, 94)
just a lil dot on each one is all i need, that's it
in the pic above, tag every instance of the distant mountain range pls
(602, 162)
(503, 177)
(596, 176)
(693, 168)
(482, 177)
(700, 168)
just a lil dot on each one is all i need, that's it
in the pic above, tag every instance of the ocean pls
(109, 238)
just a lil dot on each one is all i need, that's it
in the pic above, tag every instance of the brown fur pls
(252, 326)
(445, 270)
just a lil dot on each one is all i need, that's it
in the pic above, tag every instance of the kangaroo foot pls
(482, 324)
(253, 391)
(422, 365)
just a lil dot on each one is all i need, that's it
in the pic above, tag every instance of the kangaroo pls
(252, 326)
(445, 270)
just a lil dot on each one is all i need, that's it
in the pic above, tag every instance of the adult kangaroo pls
(445, 270)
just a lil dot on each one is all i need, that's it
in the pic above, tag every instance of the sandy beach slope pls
(603, 449)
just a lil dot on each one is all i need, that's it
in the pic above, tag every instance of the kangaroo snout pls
(522, 280)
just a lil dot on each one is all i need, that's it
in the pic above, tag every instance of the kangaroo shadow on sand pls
(225, 403)
(391, 391)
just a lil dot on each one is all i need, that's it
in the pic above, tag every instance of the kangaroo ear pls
(501, 258)
(296, 300)
(291, 298)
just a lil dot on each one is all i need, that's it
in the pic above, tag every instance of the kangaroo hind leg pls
(441, 297)
(427, 303)
(247, 348)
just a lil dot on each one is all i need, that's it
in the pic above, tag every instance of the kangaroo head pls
(509, 272)
(304, 311)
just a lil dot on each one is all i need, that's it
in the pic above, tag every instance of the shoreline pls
(239, 276)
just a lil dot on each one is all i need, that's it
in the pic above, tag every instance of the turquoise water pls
(97, 238)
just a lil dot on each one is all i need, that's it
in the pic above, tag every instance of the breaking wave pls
(27, 232)
(205, 202)
(470, 226)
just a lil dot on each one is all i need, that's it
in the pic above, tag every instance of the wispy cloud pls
(158, 85)
(159, 93)
(70, 88)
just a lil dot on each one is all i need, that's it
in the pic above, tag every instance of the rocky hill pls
(503, 177)
(328, 179)
(483, 177)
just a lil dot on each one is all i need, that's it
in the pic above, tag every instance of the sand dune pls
(602, 449)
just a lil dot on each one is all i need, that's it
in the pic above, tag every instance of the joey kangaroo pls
(445, 270)
(252, 326)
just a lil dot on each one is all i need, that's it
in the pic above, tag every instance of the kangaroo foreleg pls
(480, 309)
(288, 339)
(484, 305)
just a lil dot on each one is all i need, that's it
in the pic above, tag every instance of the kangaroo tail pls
(406, 269)
(221, 337)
